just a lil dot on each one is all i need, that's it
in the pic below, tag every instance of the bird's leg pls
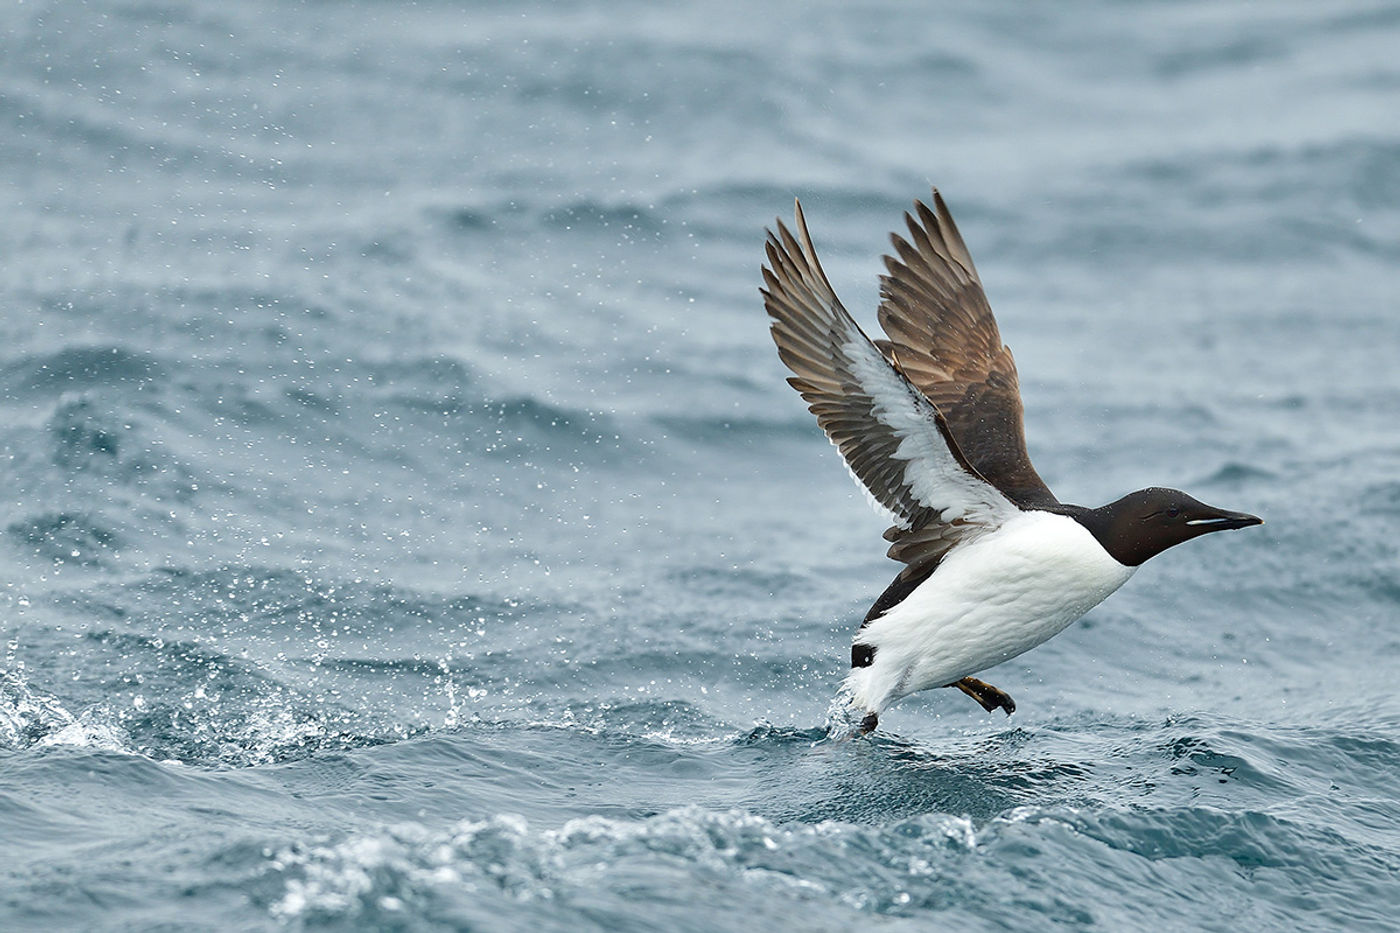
(986, 695)
(868, 724)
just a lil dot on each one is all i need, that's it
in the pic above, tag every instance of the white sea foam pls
(505, 857)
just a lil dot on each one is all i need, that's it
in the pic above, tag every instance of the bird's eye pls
(1174, 512)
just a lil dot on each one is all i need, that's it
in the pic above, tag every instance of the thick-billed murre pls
(930, 424)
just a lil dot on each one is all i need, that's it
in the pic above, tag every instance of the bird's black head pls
(1145, 523)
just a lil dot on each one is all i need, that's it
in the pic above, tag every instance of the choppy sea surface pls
(405, 524)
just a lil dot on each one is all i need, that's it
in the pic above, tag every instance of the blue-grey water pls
(406, 525)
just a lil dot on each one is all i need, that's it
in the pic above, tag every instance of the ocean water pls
(406, 525)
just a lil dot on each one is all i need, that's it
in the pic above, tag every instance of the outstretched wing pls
(944, 339)
(892, 438)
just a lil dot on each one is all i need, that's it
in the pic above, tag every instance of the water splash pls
(30, 718)
(843, 717)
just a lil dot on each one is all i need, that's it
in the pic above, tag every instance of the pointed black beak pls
(1220, 520)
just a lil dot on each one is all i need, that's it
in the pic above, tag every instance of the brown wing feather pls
(809, 325)
(872, 413)
(944, 339)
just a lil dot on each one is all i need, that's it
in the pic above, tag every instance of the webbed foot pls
(986, 695)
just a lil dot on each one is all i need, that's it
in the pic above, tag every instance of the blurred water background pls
(406, 526)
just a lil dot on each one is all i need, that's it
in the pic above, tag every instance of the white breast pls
(989, 600)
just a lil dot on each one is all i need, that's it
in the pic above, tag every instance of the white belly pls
(988, 601)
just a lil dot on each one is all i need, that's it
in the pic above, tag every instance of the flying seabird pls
(930, 424)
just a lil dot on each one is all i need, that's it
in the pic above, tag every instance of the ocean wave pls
(633, 219)
(737, 429)
(79, 367)
(66, 537)
(504, 861)
(601, 871)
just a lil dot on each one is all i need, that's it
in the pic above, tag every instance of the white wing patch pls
(932, 474)
(891, 437)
